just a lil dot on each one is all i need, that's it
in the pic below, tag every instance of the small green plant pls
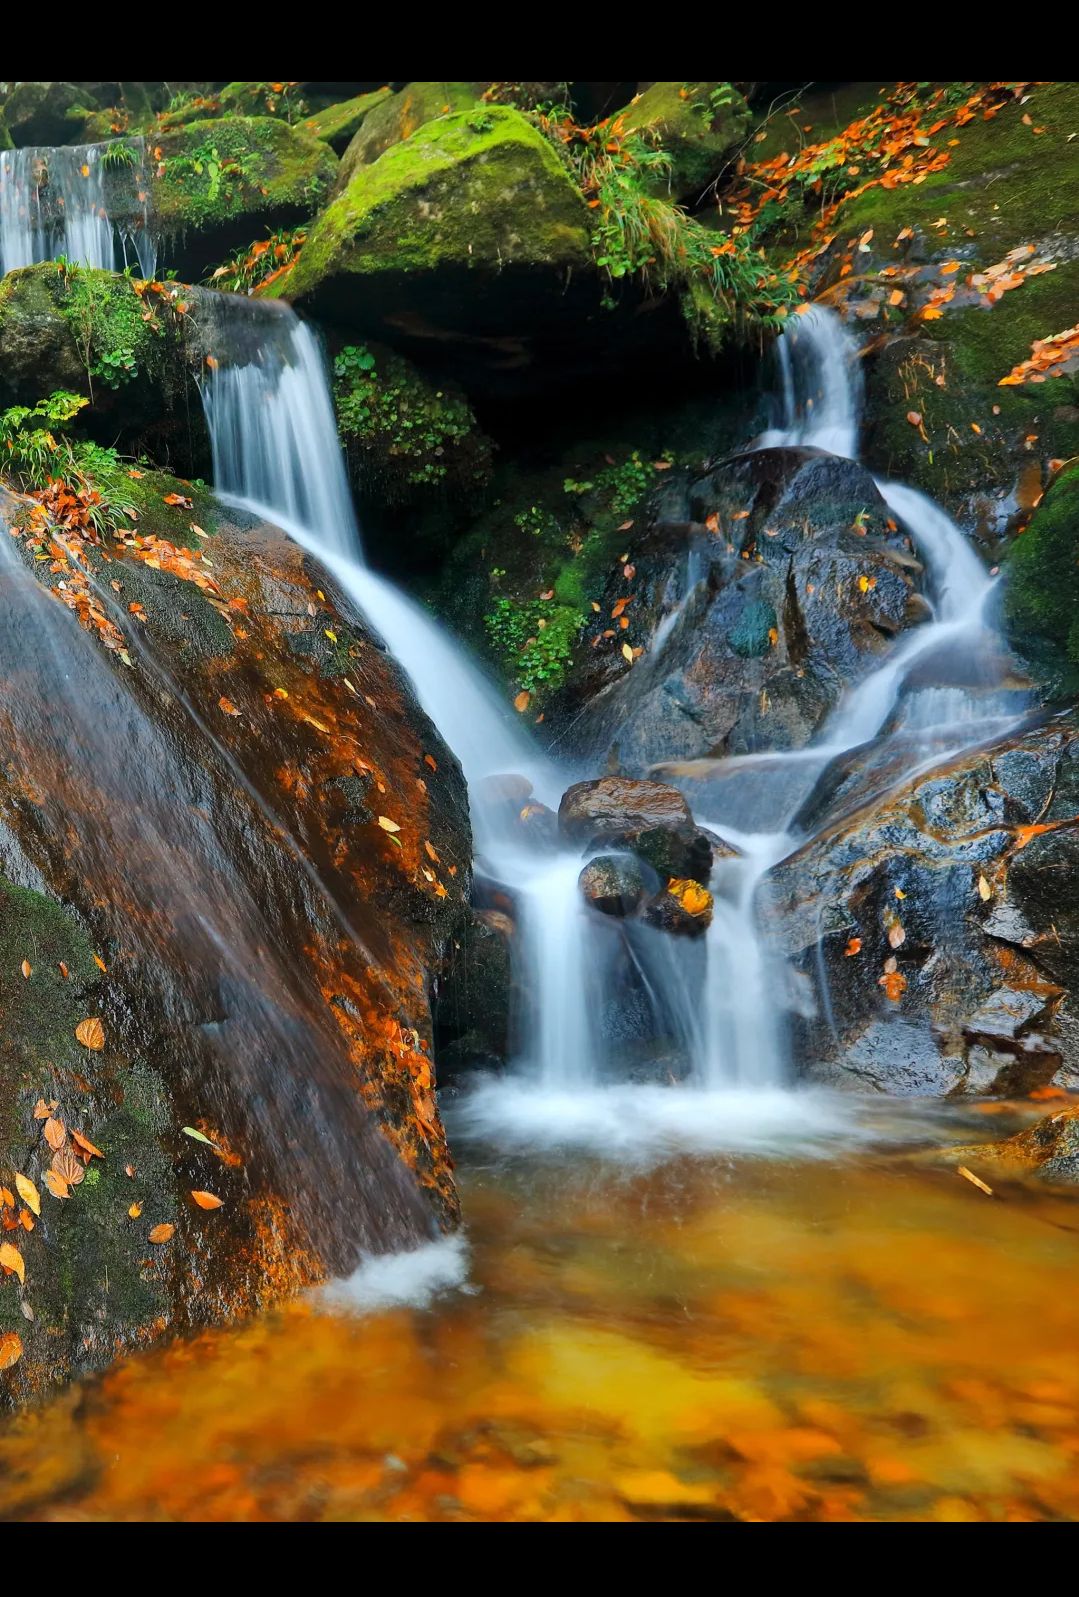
(117, 156)
(249, 269)
(35, 451)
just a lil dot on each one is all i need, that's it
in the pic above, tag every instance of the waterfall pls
(56, 202)
(276, 454)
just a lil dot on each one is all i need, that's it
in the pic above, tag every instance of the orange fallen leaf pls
(10, 1349)
(91, 1033)
(66, 1165)
(522, 701)
(27, 969)
(12, 1260)
(207, 1200)
(56, 1184)
(227, 705)
(55, 1133)
(162, 1233)
(135, 1210)
(853, 947)
(914, 417)
(430, 761)
(86, 1145)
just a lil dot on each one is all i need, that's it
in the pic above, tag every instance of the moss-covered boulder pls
(46, 113)
(1042, 592)
(219, 813)
(399, 116)
(699, 125)
(131, 348)
(338, 124)
(219, 183)
(410, 441)
(468, 234)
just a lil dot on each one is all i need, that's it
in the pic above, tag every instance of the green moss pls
(475, 188)
(749, 635)
(108, 319)
(399, 116)
(697, 124)
(533, 641)
(405, 436)
(229, 167)
(339, 124)
(1042, 593)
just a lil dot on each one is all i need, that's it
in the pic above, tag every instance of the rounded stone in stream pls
(539, 824)
(614, 884)
(505, 788)
(621, 807)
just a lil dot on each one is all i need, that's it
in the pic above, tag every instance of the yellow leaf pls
(11, 1259)
(331, 635)
(984, 889)
(28, 1193)
(91, 1033)
(387, 825)
(863, 584)
(10, 1349)
(135, 1210)
(627, 652)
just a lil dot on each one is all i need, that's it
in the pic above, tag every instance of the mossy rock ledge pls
(469, 238)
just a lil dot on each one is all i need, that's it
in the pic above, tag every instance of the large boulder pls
(220, 810)
(338, 124)
(933, 930)
(699, 125)
(398, 116)
(469, 240)
(46, 113)
(219, 183)
(758, 594)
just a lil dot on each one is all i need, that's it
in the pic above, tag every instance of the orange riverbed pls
(859, 1338)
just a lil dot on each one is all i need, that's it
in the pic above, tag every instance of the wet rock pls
(509, 789)
(616, 806)
(474, 994)
(791, 585)
(614, 884)
(539, 824)
(201, 869)
(1048, 1151)
(937, 925)
(697, 125)
(45, 113)
(683, 907)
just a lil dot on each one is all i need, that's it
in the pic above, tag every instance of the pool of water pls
(831, 1328)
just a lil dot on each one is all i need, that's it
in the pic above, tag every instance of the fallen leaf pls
(10, 1349)
(207, 1200)
(628, 652)
(914, 417)
(63, 970)
(55, 1133)
(162, 1233)
(98, 961)
(28, 1193)
(387, 825)
(27, 969)
(56, 1184)
(12, 1261)
(86, 1145)
(975, 1181)
(227, 705)
(984, 889)
(41, 1110)
(430, 761)
(67, 1166)
(189, 1131)
(522, 701)
(26, 1220)
(896, 936)
(91, 1033)
(134, 1211)
(853, 947)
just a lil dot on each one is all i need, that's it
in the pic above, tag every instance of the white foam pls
(412, 1279)
(645, 1124)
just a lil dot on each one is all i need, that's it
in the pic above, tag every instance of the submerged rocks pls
(1047, 1151)
(779, 581)
(937, 926)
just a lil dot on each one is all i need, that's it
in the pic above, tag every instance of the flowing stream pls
(276, 454)
(55, 201)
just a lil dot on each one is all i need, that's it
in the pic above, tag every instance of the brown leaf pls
(91, 1033)
(55, 1133)
(41, 1110)
(521, 702)
(227, 705)
(162, 1233)
(10, 1349)
(207, 1200)
(56, 1184)
(12, 1261)
(86, 1145)
(67, 1165)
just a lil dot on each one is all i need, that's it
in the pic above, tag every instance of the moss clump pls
(749, 635)
(401, 115)
(533, 641)
(338, 124)
(406, 438)
(478, 190)
(698, 125)
(231, 167)
(1042, 594)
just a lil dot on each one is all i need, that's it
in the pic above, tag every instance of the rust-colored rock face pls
(260, 845)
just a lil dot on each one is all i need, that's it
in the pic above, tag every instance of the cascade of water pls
(820, 385)
(54, 202)
(276, 454)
